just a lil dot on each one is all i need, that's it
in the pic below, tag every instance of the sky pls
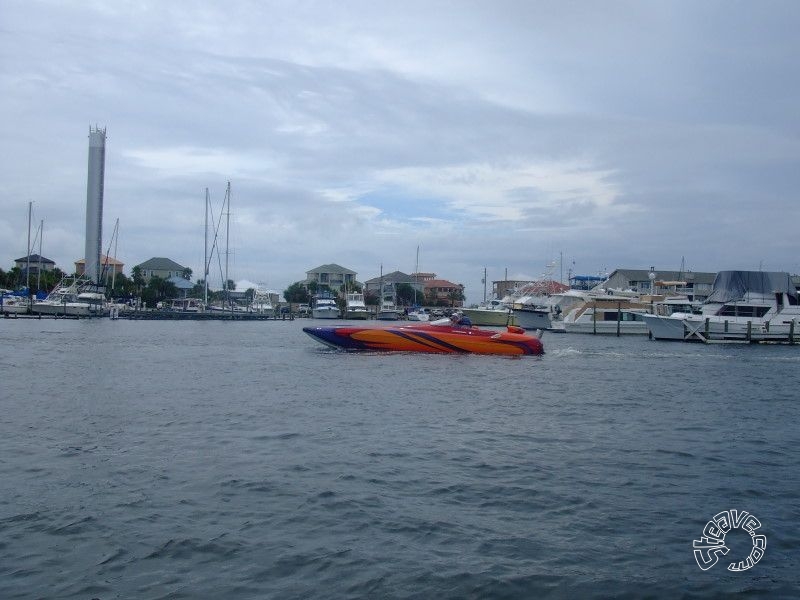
(523, 138)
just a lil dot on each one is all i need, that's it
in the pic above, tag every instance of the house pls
(160, 267)
(392, 279)
(696, 286)
(107, 264)
(333, 275)
(443, 291)
(36, 262)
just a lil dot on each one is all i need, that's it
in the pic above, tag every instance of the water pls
(244, 460)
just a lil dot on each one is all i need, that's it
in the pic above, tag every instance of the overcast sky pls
(493, 134)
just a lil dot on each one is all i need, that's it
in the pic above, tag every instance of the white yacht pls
(324, 307)
(11, 304)
(356, 309)
(262, 302)
(744, 306)
(388, 311)
(419, 314)
(74, 297)
(614, 317)
(492, 313)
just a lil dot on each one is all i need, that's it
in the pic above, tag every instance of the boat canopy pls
(730, 286)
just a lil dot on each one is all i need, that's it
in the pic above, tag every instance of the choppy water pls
(243, 460)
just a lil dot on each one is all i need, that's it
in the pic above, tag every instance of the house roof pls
(443, 283)
(35, 259)
(160, 264)
(393, 277)
(332, 268)
(181, 283)
(106, 260)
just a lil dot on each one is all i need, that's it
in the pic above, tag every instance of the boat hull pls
(532, 319)
(388, 314)
(429, 338)
(492, 318)
(357, 314)
(70, 309)
(325, 313)
(697, 328)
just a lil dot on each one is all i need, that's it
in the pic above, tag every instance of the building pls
(444, 292)
(160, 267)
(392, 279)
(108, 266)
(696, 286)
(333, 275)
(94, 203)
(36, 262)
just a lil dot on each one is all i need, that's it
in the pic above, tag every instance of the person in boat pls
(460, 320)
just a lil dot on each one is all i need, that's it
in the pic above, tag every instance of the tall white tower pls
(94, 202)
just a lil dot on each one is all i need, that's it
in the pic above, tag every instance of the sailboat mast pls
(28, 258)
(205, 257)
(227, 238)
(39, 270)
(114, 266)
(416, 276)
(484, 285)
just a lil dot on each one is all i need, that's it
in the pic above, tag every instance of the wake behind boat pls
(444, 336)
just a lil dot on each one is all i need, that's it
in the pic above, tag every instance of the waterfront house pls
(391, 281)
(332, 275)
(160, 267)
(443, 291)
(36, 263)
(109, 265)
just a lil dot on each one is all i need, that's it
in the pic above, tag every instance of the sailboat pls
(417, 313)
(387, 307)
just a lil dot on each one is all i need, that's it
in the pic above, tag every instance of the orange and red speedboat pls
(442, 337)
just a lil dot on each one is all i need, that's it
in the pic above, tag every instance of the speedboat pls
(441, 336)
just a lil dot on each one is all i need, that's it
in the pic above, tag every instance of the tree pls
(138, 277)
(406, 294)
(230, 285)
(123, 286)
(158, 290)
(297, 293)
(456, 296)
(187, 273)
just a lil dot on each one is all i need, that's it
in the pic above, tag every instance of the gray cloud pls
(498, 136)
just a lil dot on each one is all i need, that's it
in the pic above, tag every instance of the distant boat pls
(323, 306)
(744, 306)
(492, 313)
(388, 310)
(73, 296)
(607, 316)
(419, 314)
(11, 303)
(356, 309)
(262, 301)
